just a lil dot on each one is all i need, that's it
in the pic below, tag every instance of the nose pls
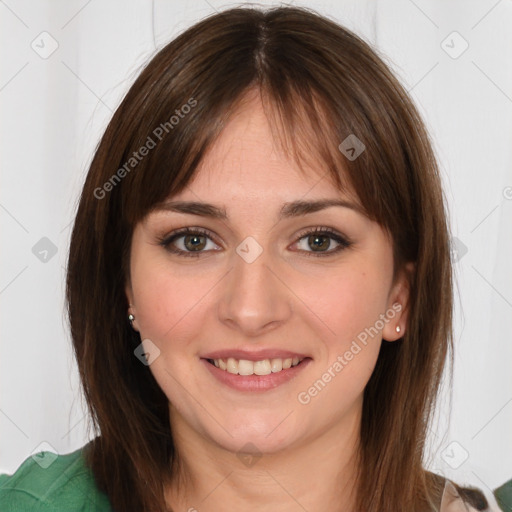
(254, 300)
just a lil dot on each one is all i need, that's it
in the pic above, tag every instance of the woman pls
(259, 283)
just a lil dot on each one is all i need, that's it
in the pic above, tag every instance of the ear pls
(398, 304)
(131, 307)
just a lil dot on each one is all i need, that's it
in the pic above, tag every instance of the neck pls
(312, 474)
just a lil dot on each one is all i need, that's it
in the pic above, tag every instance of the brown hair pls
(320, 83)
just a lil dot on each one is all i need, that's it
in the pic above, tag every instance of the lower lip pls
(256, 382)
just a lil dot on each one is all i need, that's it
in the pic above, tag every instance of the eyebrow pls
(288, 210)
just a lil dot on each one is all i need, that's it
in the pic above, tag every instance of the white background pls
(54, 110)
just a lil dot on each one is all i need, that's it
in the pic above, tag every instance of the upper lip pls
(253, 355)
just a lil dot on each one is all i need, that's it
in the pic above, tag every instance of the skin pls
(287, 298)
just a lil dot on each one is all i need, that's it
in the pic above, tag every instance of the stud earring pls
(398, 328)
(131, 318)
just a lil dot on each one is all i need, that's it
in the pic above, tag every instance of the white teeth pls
(276, 365)
(263, 367)
(245, 367)
(232, 365)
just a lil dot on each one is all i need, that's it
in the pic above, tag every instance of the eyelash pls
(343, 242)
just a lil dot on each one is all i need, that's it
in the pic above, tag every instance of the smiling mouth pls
(262, 367)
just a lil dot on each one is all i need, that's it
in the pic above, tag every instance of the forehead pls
(247, 160)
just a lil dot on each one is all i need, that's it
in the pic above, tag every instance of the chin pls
(254, 445)
(260, 436)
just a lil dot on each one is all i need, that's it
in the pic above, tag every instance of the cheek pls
(348, 301)
(351, 345)
(169, 303)
(350, 304)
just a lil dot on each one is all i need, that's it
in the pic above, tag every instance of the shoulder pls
(47, 481)
(451, 496)
(504, 496)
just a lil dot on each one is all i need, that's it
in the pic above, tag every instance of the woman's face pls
(258, 285)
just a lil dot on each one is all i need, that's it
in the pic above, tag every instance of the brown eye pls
(322, 242)
(197, 242)
(189, 242)
(194, 242)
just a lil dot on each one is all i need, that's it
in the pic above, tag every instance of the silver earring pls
(398, 328)
(131, 318)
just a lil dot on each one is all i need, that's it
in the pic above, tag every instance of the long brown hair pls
(320, 84)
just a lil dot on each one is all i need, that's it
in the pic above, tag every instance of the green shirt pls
(49, 482)
(504, 496)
